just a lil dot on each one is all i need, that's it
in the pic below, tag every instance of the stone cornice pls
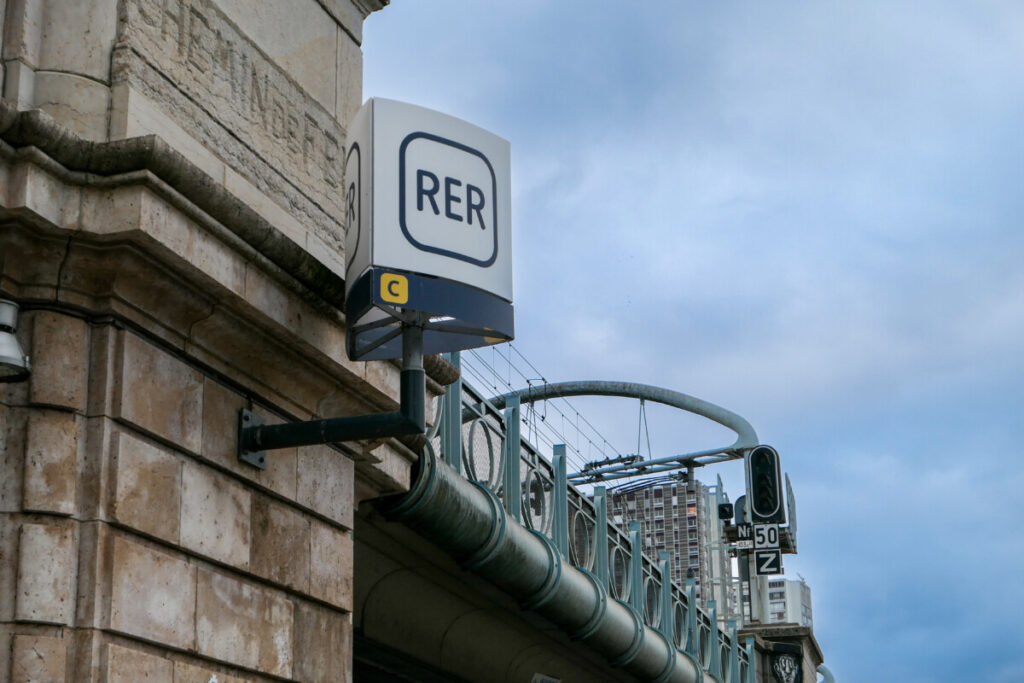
(150, 160)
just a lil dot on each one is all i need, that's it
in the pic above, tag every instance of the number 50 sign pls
(766, 536)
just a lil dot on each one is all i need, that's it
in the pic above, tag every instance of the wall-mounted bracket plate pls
(246, 419)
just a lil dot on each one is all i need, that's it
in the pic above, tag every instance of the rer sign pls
(428, 224)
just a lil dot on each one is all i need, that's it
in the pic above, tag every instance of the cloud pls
(809, 213)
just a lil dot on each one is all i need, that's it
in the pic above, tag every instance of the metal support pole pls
(751, 662)
(693, 635)
(254, 438)
(561, 501)
(512, 482)
(715, 668)
(601, 529)
(734, 653)
(667, 628)
(743, 563)
(636, 568)
(451, 419)
(758, 588)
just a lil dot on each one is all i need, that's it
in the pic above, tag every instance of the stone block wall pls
(137, 547)
(256, 94)
(134, 545)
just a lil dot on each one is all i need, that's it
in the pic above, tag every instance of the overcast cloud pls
(810, 213)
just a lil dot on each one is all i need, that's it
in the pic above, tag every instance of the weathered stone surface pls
(258, 362)
(24, 28)
(79, 104)
(60, 367)
(33, 189)
(326, 254)
(323, 649)
(61, 44)
(159, 393)
(51, 462)
(112, 210)
(125, 665)
(299, 36)
(9, 536)
(325, 482)
(188, 241)
(187, 673)
(244, 624)
(148, 490)
(259, 202)
(195, 46)
(46, 574)
(277, 303)
(350, 82)
(12, 456)
(349, 18)
(19, 84)
(120, 279)
(220, 441)
(280, 544)
(215, 515)
(330, 569)
(29, 266)
(132, 114)
(38, 659)
(153, 595)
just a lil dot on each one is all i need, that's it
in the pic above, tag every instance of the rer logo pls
(394, 288)
(447, 199)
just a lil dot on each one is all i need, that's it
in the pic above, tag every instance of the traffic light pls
(725, 512)
(764, 486)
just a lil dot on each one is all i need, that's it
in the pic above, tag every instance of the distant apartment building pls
(789, 602)
(680, 518)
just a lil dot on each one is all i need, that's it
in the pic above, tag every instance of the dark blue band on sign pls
(411, 137)
(461, 316)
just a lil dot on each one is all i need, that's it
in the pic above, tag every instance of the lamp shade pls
(14, 364)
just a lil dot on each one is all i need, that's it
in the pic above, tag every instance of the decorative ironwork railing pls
(484, 445)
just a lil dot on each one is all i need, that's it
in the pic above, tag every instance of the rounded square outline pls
(397, 278)
(401, 198)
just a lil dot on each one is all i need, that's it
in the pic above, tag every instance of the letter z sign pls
(447, 199)
(768, 562)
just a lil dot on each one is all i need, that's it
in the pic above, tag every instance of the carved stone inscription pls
(198, 49)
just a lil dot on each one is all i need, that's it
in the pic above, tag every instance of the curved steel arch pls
(746, 437)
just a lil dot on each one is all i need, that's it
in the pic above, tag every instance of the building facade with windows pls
(680, 518)
(789, 602)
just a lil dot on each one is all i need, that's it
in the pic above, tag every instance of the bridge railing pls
(485, 445)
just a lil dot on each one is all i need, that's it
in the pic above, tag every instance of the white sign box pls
(428, 222)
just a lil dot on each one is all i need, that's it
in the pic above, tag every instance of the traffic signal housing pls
(764, 486)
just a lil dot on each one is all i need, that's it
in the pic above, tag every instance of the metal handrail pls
(700, 626)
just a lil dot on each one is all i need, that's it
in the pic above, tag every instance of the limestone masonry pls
(166, 283)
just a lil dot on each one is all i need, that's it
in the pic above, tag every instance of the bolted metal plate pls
(247, 420)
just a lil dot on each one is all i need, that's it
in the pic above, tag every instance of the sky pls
(809, 213)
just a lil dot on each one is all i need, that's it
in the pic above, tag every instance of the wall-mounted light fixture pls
(14, 365)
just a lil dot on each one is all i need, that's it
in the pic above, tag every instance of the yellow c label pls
(394, 288)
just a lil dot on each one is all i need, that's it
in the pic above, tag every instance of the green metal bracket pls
(512, 482)
(715, 665)
(601, 527)
(636, 568)
(665, 624)
(560, 526)
(734, 652)
(693, 637)
(451, 418)
(751, 661)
